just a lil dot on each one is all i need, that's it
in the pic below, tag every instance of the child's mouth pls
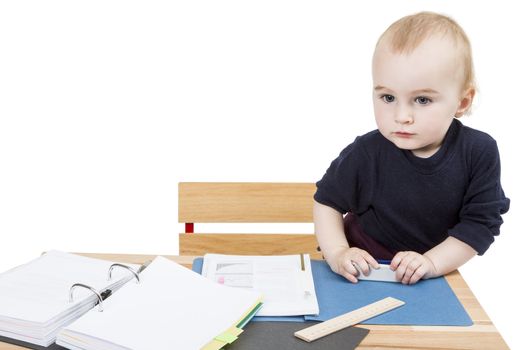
(403, 134)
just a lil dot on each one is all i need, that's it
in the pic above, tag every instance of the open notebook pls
(170, 308)
(34, 297)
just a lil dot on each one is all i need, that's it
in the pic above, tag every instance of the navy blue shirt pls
(411, 203)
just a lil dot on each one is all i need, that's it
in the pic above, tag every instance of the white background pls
(106, 105)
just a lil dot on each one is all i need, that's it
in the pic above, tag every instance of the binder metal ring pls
(75, 285)
(136, 275)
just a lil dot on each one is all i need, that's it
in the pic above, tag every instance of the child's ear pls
(465, 102)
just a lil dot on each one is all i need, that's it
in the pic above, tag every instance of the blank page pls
(172, 308)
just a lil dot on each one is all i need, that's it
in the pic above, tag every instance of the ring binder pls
(144, 266)
(119, 326)
(136, 275)
(71, 299)
(36, 322)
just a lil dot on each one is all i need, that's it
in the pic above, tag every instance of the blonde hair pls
(406, 34)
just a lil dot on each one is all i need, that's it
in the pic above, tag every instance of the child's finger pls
(349, 268)
(349, 272)
(403, 266)
(396, 261)
(419, 273)
(362, 266)
(371, 261)
(350, 277)
(410, 270)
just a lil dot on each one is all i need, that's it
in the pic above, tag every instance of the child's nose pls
(403, 116)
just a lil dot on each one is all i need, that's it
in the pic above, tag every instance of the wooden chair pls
(223, 202)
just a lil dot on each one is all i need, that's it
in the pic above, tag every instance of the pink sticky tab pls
(221, 280)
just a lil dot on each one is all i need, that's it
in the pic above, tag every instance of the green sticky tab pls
(234, 331)
(249, 316)
(226, 337)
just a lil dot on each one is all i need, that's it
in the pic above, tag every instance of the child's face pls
(417, 95)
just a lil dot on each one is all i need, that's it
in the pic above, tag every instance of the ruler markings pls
(348, 319)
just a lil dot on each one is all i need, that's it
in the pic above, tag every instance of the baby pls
(422, 190)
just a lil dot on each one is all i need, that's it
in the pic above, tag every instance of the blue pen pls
(384, 262)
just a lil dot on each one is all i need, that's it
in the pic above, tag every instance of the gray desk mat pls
(268, 335)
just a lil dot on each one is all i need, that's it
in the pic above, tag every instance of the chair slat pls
(214, 202)
(248, 244)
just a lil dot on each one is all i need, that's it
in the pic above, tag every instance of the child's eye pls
(388, 98)
(423, 100)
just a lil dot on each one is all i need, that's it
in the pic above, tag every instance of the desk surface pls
(481, 335)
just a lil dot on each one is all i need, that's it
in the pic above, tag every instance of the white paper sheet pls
(287, 288)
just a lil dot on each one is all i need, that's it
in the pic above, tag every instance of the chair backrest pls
(248, 202)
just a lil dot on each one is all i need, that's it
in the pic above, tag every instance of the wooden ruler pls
(349, 319)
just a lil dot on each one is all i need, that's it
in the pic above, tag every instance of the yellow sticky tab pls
(228, 338)
(214, 345)
(234, 331)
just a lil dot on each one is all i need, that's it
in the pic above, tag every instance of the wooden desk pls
(481, 335)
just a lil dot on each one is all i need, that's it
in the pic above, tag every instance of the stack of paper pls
(172, 308)
(34, 298)
(285, 280)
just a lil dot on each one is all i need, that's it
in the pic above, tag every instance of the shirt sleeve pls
(343, 187)
(484, 201)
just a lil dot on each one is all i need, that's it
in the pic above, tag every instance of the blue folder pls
(428, 302)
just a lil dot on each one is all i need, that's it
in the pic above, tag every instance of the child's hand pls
(410, 267)
(343, 263)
